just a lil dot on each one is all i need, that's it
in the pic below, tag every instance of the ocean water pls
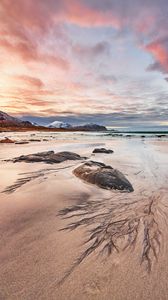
(81, 136)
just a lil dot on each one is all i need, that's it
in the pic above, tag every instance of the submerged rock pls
(102, 150)
(48, 157)
(103, 176)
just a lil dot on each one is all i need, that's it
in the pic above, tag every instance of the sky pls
(85, 61)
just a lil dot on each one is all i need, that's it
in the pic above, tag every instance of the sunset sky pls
(103, 61)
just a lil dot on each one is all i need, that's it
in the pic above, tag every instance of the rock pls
(48, 157)
(6, 141)
(161, 135)
(35, 140)
(102, 150)
(21, 142)
(103, 176)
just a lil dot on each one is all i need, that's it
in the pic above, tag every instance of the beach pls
(63, 238)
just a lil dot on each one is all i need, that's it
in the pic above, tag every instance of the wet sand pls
(64, 239)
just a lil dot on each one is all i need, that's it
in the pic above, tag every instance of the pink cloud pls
(23, 25)
(32, 81)
(84, 15)
(28, 51)
(159, 50)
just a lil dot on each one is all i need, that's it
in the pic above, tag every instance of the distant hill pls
(90, 127)
(8, 121)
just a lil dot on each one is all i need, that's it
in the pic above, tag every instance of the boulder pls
(103, 176)
(48, 157)
(102, 150)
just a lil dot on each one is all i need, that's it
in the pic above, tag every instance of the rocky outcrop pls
(6, 141)
(102, 150)
(48, 157)
(103, 176)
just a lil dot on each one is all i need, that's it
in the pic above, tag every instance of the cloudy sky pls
(85, 60)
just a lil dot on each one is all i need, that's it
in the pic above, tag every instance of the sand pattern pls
(114, 225)
(30, 176)
(117, 221)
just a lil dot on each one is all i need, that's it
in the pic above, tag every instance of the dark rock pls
(102, 150)
(21, 142)
(48, 157)
(115, 134)
(6, 141)
(35, 140)
(161, 135)
(103, 176)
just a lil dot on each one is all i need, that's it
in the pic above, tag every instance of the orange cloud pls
(29, 52)
(32, 81)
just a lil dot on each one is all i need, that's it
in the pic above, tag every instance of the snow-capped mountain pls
(58, 124)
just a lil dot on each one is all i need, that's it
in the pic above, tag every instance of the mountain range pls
(8, 122)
